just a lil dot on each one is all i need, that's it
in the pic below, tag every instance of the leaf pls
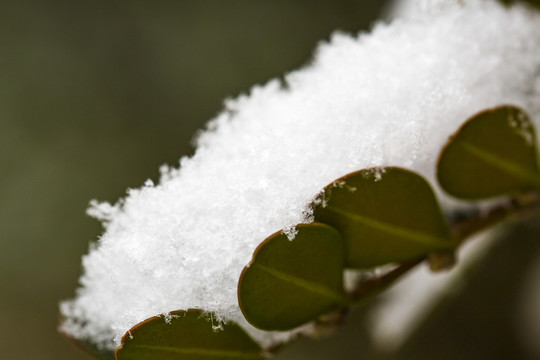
(186, 335)
(384, 216)
(531, 2)
(492, 154)
(290, 282)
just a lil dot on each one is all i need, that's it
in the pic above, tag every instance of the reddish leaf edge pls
(203, 314)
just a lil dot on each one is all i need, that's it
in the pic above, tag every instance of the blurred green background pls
(95, 96)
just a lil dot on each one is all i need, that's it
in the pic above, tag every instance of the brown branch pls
(519, 204)
(462, 229)
(376, 285)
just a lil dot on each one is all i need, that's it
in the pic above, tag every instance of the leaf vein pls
(305, 284)
(502, 164)
(203, 352)
(411, 235)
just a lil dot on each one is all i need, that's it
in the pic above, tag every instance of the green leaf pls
(492, 154)
(384, 215)
(531, 2)
(291, 282)
(187, 335)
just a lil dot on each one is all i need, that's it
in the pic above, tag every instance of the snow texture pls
(391, 97)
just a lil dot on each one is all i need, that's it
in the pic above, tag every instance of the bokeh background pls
(95, 96)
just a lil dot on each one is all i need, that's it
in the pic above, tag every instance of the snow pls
(390, 97)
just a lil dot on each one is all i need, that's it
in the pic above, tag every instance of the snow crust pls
(391, 97)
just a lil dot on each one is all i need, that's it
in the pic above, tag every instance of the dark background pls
(95, 96)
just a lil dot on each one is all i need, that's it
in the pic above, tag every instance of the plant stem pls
(376, 285)
(518, 204)
(462, 229)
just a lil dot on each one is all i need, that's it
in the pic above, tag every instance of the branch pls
(520, 204)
